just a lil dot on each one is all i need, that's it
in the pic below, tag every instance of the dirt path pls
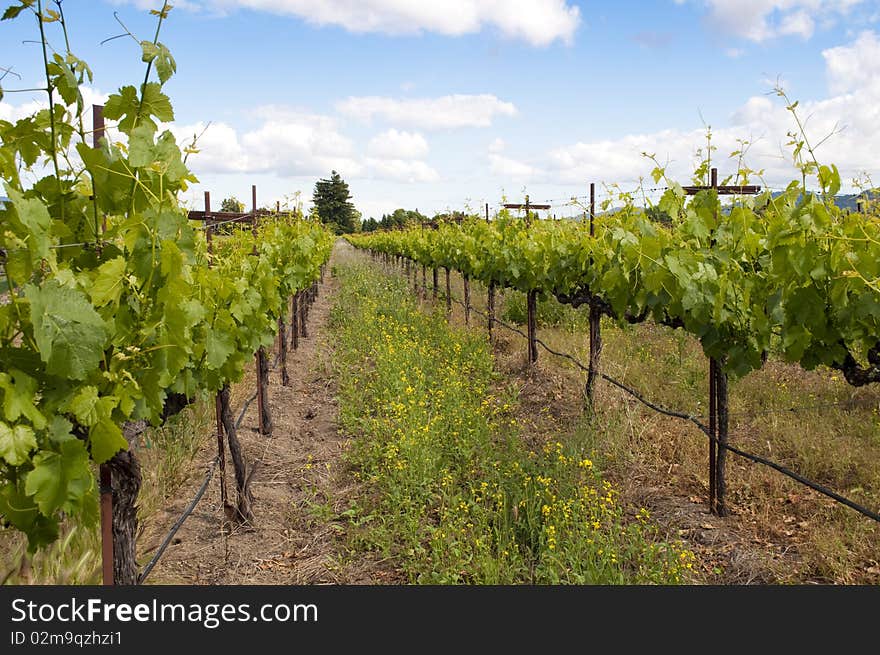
(299, 484)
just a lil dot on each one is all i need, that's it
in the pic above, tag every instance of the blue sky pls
(434, 105)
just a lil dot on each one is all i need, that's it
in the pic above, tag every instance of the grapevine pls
(103, 324)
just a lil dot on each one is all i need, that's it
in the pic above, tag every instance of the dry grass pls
(166, 456)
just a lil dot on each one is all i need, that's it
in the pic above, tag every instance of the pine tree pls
(332, 203)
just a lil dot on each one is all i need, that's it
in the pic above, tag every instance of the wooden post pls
(106, 478)
(221, 461)
(721, 408)
(125, 472)
(531, 308)
(303, 314)
(218, 407)
(243, 512)
(448, 296)
(490, 296)
(294, 321)
(532, 328)
(434, 273)
(718, 392)
(595, 316)
(261, 363)
(467, 299)
(282, 348)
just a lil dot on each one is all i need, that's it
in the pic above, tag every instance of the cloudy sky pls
(443, 104)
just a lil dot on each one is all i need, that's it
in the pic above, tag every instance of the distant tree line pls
(401, 218)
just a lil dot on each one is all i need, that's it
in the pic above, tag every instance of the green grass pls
(452, 492)
(811, 421)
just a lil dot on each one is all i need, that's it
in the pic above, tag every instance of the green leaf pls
(60, 480)
(155, 103)
(16, 443)
(107, 287)
(123, 106)
(19, 394)
(60, 429)
(88, 408)
(69, 332)
(105, 440)
(132, 111)
(33, 216)
(64, 80)
(161, 58)
(140, 146)
(15, 10)
(149, 51)
(829, 179)
(20, 511)
(219, 347)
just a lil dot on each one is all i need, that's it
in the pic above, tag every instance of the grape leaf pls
(16, 443)
(60, 480)
(105, 440)
(88, 408)
(19, 393)
(107, 286)
(69, 332)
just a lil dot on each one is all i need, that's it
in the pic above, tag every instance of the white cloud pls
(537, 22)
(760, 20)
(734, 53)
(853, 66)
(497, 145)
(445, 112)
(146, 5)
(851, 114)
(511, 168)
(409, 171)
(13, 112)
(394, 144)
(798, 23)
(287, 143)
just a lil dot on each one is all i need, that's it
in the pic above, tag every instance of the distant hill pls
(849, 200)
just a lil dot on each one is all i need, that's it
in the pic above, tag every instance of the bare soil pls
(300, 483)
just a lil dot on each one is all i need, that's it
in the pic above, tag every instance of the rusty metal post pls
(97, 135)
